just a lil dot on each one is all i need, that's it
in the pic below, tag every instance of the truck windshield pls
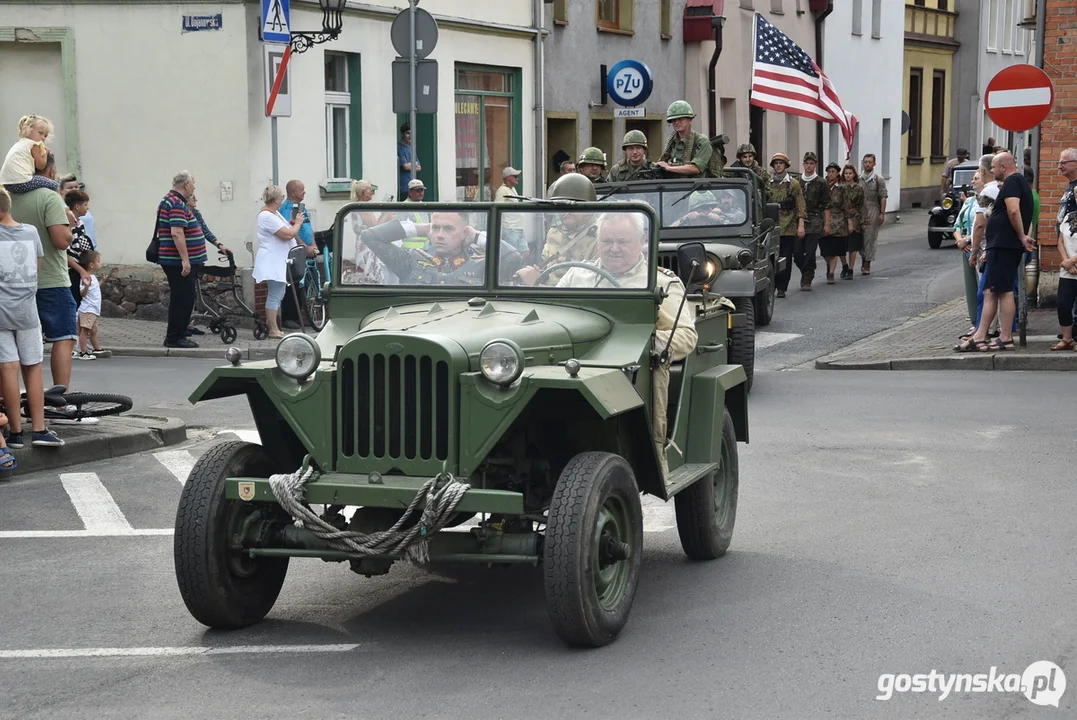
(413, 248)
(578, 250)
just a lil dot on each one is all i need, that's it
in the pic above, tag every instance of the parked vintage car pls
(450, 413)
(941, 217)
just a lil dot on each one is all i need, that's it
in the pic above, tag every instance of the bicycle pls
(317, 272)
(86, 405)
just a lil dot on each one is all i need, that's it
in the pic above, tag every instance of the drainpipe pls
(819, 61)
(538, 13)
(712, 91)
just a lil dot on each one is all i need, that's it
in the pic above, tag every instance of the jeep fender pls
(734, 283)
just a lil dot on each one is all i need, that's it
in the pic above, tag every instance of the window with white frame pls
(1008, 26)
(992, 26)
(337, 117)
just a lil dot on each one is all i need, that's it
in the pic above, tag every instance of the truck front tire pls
(742, 340)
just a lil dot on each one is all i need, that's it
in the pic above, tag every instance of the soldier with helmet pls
(785, 190)
(592, 165)
(635, 165)
(746, 158)
(575, 238)
(688, 153)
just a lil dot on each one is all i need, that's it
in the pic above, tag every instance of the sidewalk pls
(146, 339)
(926, 343)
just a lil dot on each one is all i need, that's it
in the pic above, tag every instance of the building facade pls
(584, 36)
(991, 39)
(137, 96)
(771, 132)
(930, 45)
(862, 50)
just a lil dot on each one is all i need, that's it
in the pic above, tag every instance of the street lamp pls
(331, 26)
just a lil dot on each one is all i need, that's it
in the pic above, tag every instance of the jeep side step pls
(687, 474)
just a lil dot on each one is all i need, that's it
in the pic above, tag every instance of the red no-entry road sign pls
(1019, 97)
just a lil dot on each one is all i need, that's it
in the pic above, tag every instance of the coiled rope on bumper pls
(412, 542)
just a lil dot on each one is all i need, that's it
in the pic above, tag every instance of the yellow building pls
(929, 58)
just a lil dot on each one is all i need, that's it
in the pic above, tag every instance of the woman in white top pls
(276, 236)
(1067, 276)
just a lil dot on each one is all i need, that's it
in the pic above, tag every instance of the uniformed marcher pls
(874, 210)
(592, 164)
(451, 263)
(786, 191)
(687, 153)
(835, 230)
(622, 252)
(852, 206)
(635, 165)
(816, 202)
(746, 158)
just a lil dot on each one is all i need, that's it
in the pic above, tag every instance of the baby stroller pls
(220, 315)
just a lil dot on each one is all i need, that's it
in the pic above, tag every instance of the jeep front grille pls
(395, 407)
(669, 262)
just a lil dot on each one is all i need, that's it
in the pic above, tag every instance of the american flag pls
(785, 79)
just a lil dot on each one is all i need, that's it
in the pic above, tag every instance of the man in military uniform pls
(592, 165)
(712, 208)
(785, 190)
(816, 202)
(687, 153)
(451, 262)
(874, 210)
(622, 252)
(574, 239)
(746, 159)
(635, 165)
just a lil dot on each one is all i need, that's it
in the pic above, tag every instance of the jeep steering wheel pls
(593, 268)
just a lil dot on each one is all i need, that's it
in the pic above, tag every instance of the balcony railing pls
(929, 24)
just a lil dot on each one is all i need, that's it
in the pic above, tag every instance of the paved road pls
(906, 279)
(888, 523)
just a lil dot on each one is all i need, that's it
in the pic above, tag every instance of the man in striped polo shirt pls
(182, 250)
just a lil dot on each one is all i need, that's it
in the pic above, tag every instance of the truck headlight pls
(298, 356)
(501, 362)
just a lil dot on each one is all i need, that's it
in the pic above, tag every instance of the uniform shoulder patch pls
(667, 271)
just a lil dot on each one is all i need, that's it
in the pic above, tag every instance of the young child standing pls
(27, 156)
(90, 309)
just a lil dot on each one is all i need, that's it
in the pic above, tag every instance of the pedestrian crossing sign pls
(276, 21)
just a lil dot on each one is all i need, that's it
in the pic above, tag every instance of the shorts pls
(87, 321)
(1002, 265)
(57, 311)
(22, 346)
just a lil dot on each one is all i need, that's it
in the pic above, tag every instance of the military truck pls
(739, 231)
(449, 412)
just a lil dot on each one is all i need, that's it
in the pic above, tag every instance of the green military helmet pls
(746, 148)
(573, 186)
(679, 109)
(593, 156)
(701, 199)
(634, 137)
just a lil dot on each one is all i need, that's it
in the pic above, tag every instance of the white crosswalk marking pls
(95, 506)
(177, 462)
(250, 436)
(770, 339)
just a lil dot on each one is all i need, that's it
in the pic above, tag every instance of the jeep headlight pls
(947, 203)
(298, 356)
(713, 268)
(501, 362)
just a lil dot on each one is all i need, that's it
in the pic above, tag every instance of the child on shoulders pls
(27, 156)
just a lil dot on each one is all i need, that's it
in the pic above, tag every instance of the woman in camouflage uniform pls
(835, 229)
(852, 204)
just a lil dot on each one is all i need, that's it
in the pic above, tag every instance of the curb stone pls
(109, 438)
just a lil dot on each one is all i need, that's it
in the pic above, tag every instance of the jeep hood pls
(474, 323)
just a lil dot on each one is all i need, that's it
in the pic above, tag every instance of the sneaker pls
(15, 441)
(780, 293)
(194, 331)
(185, 343)
(46, 438)
(805, 287)
(102, 353)
(85, 356)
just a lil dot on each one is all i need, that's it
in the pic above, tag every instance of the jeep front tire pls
(742, 340)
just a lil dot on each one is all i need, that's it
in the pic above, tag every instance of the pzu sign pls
(629, 83)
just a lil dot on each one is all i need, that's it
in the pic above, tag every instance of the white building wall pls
(867, 73)
(1003, 45)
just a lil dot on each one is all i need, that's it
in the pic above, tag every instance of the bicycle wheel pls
(313, 301)
(92, 405)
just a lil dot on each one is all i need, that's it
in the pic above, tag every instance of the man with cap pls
(416, 191)
(874, 209)
(687, 153)
(592, 165)
(635, 165)
(816, 202)
(948, 170)
(512, 224)
(404, 160)
(786, 191)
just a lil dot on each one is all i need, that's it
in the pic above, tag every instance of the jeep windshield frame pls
(672, 200)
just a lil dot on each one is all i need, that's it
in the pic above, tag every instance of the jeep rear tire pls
(764, 301)
(223, 589)
(742, 340)
(593, 549)
(707, 509)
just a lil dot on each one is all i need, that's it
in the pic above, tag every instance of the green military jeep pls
(450, 413)
(738, 229)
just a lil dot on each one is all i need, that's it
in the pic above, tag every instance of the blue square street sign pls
(276, 21)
